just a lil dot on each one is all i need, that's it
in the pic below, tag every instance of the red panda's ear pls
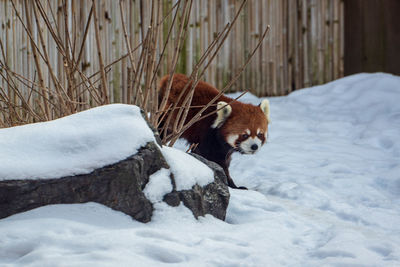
(224, 110)
(264, 105)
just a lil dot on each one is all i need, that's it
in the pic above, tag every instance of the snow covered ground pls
(324, 191)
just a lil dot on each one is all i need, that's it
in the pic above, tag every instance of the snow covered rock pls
(107, 155)
(212, 198)
(118, 186)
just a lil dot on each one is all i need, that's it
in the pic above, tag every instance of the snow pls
(186, 169)
(76, 144)
(159, 185)
(324, 191)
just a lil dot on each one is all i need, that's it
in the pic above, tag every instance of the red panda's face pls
(246, 127)
(249, 141)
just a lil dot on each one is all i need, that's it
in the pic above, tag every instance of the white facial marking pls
(258, 130)
(250, 145)
(248, 132)
(231, 139)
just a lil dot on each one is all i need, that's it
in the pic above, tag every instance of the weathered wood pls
(372, 39)
(305, 46)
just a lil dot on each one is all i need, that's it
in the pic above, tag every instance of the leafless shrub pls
(46, 101)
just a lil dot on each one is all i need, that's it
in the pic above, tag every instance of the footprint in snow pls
(323, 254)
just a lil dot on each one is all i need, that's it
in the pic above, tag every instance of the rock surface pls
(210, 199)
(118, 186)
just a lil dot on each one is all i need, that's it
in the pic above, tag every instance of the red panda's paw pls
(242, 188)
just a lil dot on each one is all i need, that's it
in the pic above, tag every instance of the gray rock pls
(118, 186)
(210, 199)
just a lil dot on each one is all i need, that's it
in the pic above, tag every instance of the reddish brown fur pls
(243, 116)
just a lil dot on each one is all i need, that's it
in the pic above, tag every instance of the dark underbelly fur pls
(214, 148)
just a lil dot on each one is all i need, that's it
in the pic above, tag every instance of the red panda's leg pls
(230, 180)
(225, 166)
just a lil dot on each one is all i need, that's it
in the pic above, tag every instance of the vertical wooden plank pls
(330, 51)
(192, 40)
(336, 39)
(314, 39)
(248, 82)
(320, 9)
(210, 8)
(13, 57)
(306, 43)
(8, 42)
(300, 48)
(293, 46)
(233, 51)
(3, 24)
(285, 37)
(245, 46)
(279, 48)
(257, 57)
(271, 48)
(325, 45)
(86, 5)
(239, 46)
(202, 27)
(262, 24)
(267, 52)
(218, 22)
(30, 64)
(342, 36)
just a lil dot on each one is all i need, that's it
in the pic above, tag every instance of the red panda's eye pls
(260, 135)
(245, 136)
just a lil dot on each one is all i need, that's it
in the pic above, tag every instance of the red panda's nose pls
(254, 147)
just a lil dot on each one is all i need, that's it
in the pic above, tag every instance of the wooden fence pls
(304, 46)
(372, 36)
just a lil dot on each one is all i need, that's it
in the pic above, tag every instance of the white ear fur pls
(265, 108)
(224, 110)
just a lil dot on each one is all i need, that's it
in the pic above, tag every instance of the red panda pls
(235, 127)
